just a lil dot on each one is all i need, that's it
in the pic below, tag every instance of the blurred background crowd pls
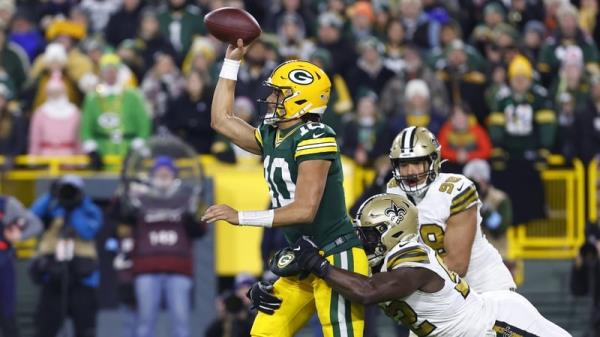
(502, 83)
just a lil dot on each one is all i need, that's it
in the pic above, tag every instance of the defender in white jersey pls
(449, 210)
(415, 288)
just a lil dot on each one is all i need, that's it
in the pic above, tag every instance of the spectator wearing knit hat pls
(533, 37)
(201, 59)
(465, 80)
(524, 124)
(369, 72)
(330, 37)
(568, 33)
(417, 109)
(113, 118)
(166, 223)
(68, 34)
(54, 129)
(493, 15)
(291, 35)
(54, 62)
(572, 79)
(362, 17)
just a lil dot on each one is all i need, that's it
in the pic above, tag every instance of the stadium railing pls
(557, 237)
(560, 235)
(593, 190)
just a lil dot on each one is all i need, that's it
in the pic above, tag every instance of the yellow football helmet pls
(305, 89)
(383, 221)
(411, 145)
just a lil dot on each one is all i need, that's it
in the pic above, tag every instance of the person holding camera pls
(165, 223)
(16, 224)
(66, 266)
(234, 314)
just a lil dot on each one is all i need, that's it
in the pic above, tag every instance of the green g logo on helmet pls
(305, 88)
(301, 76)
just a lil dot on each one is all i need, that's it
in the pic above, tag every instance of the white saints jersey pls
(454, 310)
(447, 195)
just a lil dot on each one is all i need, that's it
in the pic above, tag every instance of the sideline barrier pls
(561, 235)
(237, 249)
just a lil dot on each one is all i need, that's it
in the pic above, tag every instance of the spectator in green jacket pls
(179, 23)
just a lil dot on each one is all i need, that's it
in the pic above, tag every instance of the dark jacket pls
(13, 133)
(190, 120)
(587, 125)
(122, 25)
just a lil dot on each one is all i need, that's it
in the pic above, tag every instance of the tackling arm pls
(458, 240)
(378, 288)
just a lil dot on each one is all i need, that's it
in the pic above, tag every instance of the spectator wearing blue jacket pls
(66, 266)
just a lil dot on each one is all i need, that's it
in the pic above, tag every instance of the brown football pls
(229, 24)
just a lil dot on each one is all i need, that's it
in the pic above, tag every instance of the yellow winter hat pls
(110, 59)
(65, 27)
(520, 66)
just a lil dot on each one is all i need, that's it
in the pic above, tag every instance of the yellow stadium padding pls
(242, 186)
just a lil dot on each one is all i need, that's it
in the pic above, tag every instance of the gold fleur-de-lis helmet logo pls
(395, 213)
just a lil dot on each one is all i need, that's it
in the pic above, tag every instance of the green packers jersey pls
(282, 152)
(522, 124)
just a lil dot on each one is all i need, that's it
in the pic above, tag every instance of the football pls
(229, 24)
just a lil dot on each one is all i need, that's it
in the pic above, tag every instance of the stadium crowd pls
(491, 78)
(505, 81)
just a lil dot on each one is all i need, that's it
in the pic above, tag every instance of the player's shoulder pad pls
(459, 190)
(392, 184)
(314, 130)
(315, 138)
(402, 253)
(261, 131)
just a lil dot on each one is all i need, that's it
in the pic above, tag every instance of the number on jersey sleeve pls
(317, 141)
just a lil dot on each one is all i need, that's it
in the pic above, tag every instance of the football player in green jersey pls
(304, 173)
